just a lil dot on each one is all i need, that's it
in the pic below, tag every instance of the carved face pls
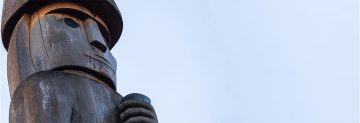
(61, 39)
(62, 42)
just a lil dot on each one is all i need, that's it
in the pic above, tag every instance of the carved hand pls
(137, 111)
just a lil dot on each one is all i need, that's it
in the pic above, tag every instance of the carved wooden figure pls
(60, 67)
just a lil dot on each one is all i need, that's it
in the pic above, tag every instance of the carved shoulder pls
(62, 97)
(38, 100)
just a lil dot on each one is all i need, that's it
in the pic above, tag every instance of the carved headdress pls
(105, 9)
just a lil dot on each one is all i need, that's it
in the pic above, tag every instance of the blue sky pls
(238, 61)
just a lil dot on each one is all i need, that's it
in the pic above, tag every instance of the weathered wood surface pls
(59, 97)
(105, 9)
(61, 70)
(20, 64)
(44, 41)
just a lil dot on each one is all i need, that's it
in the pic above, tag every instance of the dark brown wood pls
(52, 97)
(60, 67)
(105, 9)
(20, 64)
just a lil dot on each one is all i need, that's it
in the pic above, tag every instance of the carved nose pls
(94, 35)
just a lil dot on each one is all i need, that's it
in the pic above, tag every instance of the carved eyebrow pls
(72, 12)
(82, 16)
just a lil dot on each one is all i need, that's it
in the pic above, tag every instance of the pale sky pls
(238, 61)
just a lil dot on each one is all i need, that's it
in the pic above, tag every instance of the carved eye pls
(70, 22)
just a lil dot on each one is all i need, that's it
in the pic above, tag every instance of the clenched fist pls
(136, 108)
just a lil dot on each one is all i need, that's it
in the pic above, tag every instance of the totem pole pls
(60, 68)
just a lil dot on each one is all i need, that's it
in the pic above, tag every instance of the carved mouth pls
(108, 81)
(101, 59)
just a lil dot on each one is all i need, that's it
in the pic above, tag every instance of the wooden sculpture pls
(60, 68)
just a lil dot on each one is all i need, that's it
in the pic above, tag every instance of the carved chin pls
(101, 76)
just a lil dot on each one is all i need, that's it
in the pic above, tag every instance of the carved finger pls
(133, 104)
(132, 112)
(140, 119)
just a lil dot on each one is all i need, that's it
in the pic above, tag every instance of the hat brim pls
(106, 9)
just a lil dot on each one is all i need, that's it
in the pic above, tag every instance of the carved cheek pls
(37, 48)
(63, 45)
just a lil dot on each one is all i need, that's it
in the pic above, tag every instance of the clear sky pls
(238, 61)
